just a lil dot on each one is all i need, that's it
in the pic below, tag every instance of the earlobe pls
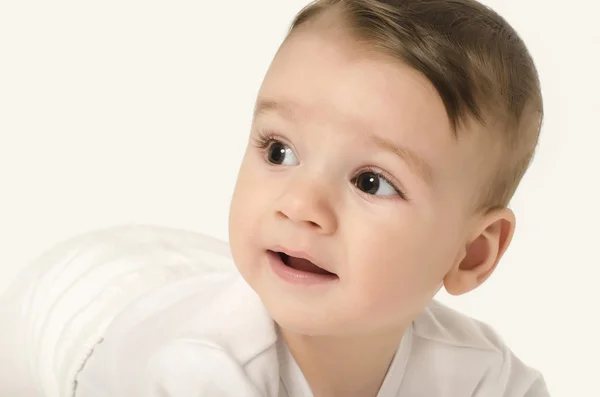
(482, 252)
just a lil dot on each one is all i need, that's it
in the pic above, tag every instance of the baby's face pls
(351, 162)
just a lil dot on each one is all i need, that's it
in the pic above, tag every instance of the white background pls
(125, 111)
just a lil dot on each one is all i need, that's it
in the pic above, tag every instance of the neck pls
(344, 365)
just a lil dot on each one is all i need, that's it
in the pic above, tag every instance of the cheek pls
(395, 271)
(243, 215)
(246, 196)
(250, 206)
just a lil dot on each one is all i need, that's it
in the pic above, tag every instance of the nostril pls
(289, 215)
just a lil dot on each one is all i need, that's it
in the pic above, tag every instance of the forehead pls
(331, 75)
(327, 80)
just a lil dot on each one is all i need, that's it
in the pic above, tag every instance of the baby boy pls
(388, 139)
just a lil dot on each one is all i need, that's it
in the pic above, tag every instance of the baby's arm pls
(189, 368)
(181, 368)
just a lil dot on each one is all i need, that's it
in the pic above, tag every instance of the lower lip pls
(295, 276)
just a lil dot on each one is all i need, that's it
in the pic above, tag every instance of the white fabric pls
(148, 312)
(59, 307)
(443, 354)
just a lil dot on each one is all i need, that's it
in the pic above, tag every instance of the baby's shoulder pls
(441, 324)
(467, 355)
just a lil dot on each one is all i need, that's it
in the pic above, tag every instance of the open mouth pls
(303, 265)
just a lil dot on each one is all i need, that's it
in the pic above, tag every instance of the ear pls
(485, 248)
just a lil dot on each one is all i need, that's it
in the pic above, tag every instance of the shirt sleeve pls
(191, 368)
(180, 368)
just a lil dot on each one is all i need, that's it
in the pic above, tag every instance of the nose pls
(310, 205)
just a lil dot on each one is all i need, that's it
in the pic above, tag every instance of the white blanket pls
(58, 308)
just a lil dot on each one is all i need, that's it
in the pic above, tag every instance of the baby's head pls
(388, 139)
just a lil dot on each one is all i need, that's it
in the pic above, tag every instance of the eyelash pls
(262, 140)
(388, 179)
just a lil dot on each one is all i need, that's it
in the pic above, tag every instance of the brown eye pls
(367, 182)
(375, 184)
(280, 154)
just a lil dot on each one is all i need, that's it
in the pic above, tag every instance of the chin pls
(299, 318)
(302, 325)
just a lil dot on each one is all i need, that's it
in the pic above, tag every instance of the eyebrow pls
(415, 162)
(283, 108)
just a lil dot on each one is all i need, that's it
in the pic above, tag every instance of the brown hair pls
(478, 64)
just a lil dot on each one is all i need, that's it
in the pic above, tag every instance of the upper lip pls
(302, 255)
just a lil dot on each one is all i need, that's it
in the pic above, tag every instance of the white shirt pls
(209, 335)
